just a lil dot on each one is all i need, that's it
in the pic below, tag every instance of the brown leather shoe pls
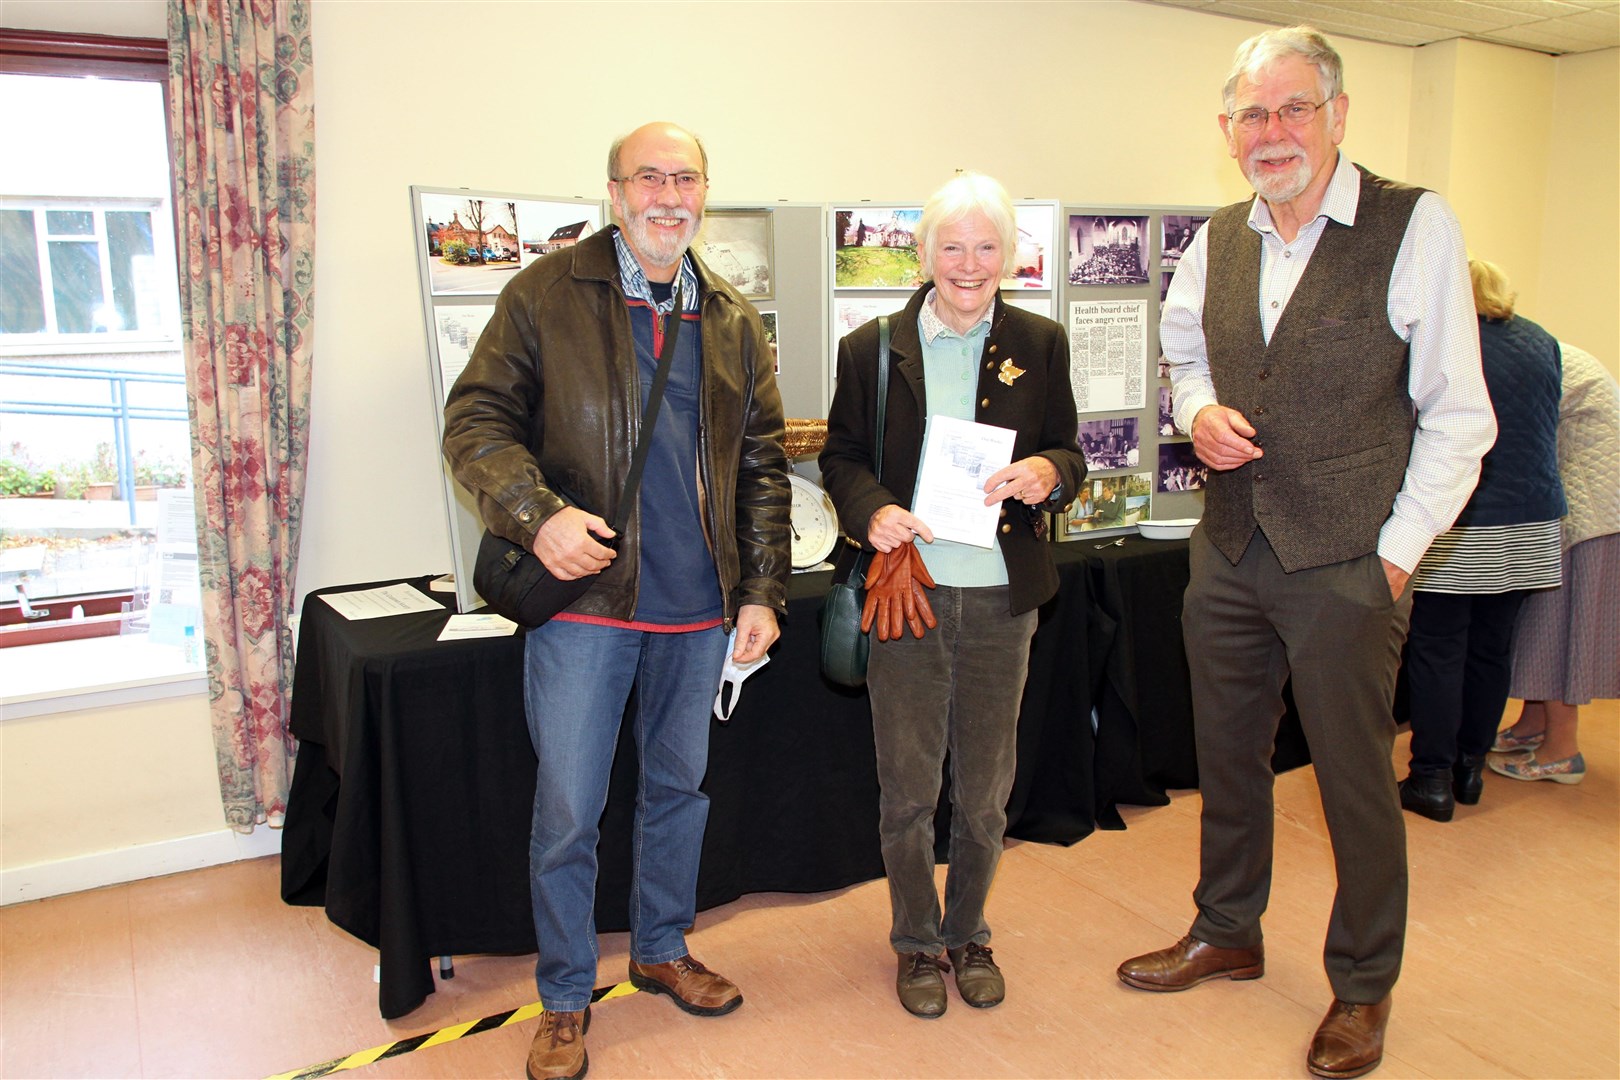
(978, 979)
(1189, 962)
(558, 1050)
(1350, 1041)
(921, 985)
(695, 988)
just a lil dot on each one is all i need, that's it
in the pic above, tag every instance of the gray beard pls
(1285, 187)
(661, 251)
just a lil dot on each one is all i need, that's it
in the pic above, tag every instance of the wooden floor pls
(1512, 966)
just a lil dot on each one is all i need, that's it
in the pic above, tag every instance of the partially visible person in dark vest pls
(1469, 587)
(1324, 354)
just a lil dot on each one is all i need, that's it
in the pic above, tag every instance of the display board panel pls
(469, 244)
(1118, 264)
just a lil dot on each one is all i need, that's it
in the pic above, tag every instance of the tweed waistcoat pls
(1327, 397)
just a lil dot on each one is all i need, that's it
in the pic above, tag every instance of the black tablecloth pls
(409, 812)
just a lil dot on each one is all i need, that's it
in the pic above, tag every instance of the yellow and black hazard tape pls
(436, 1038)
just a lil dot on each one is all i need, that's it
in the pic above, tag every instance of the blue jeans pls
(577, 678)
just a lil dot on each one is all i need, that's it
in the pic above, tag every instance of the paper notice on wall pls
(1108, 345)
(457, 329)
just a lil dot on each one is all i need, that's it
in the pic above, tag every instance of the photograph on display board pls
(1164, 368)
(546, 226)
(1111, 444)
(1167, 412)
(850, 313)
(456, 329)
(472, 243)
(1031, 260)
(1178, 232)
(1106, 503)
(1164, 284)
(769, 319)
(1107, 250)
(876, 248)
(1180, 469)
(739, 246)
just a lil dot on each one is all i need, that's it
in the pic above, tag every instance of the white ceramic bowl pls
(1169, 529)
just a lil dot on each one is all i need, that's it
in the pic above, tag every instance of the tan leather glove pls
(895, 596)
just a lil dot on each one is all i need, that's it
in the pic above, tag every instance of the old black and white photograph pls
(1167, 415)
(1178, 232)
(1111, 444)
(1164, 284)
(1108, 250)
(1180, 469)
(739, 246)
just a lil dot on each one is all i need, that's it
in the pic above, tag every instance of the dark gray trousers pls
(956, 689)
(1336, 632)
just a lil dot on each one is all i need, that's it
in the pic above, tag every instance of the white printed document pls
(958, 457)
(462, 627)
(399, 599)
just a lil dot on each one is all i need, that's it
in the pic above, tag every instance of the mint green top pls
(950, 381)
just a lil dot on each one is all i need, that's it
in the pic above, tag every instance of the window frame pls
(74, 55)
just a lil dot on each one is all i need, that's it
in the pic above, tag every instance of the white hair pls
(1263, 50)
(964, 194)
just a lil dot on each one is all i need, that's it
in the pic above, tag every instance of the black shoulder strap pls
(649, 418)
(882, 394)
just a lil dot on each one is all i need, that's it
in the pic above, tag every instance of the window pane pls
(70, 223)
(76, 281)
(134, 277)
(22, 298)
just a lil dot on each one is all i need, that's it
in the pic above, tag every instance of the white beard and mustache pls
(657, 246)
(1279, 187)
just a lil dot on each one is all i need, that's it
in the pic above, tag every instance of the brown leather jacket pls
(549, 407)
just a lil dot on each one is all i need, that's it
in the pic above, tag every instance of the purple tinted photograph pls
(1180, 469)
(1111, 444)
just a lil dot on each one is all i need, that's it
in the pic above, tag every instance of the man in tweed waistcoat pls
(1325, 356)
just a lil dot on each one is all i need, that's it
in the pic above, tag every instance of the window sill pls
(92, 673)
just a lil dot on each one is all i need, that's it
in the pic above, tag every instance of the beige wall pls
(1578, 298)
(1096, 102)
(102, 779)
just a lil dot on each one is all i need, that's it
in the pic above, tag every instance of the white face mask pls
(732, 675)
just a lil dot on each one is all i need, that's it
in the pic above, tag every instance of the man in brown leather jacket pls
(540, 427)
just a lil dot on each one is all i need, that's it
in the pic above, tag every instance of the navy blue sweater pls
(1518, 478)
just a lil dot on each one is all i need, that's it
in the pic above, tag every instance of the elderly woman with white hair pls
(957, 350)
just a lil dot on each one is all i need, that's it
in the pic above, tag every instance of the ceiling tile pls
(1595, 26)
(1550, 26)
(1539, 9)
(1459, 15)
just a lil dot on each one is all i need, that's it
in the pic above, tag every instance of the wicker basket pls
(804, 437)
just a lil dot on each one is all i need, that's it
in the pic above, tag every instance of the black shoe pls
(1429, 796)
(1468, 778)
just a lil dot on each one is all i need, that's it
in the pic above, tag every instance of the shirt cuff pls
(1187, 409)
(1403, 543)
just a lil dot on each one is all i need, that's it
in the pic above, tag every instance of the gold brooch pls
(1008, 373)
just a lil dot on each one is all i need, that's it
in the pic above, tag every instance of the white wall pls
(1580, 273)
(1106, 102)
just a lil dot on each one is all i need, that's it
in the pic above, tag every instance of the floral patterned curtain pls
(242, 120)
